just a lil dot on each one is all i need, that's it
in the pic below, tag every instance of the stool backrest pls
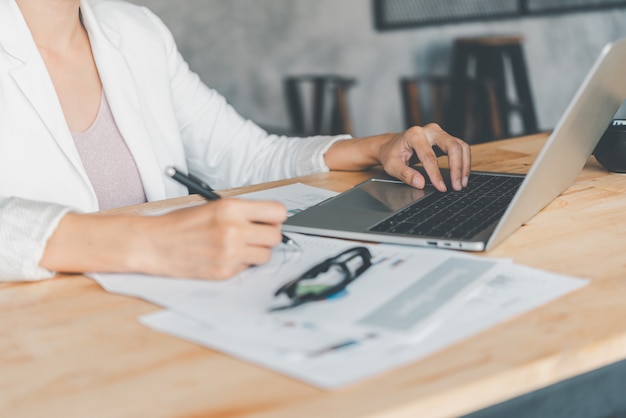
(318, 104)
(428, 99)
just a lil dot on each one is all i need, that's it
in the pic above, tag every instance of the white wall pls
(243, 48)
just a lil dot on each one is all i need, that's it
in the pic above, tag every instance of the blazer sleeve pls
(224, 148)
(25, 227)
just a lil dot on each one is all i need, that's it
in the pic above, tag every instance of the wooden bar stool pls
(496, 62)
(427, 99)
(318, 104)
(424, 99)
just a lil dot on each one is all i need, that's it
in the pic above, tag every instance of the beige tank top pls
(108, 162)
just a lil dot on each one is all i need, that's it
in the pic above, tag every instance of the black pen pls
(196, 185)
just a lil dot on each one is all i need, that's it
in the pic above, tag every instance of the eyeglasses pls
(326, 279)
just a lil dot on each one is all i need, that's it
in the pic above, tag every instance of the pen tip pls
(293, 244)
(170, 171)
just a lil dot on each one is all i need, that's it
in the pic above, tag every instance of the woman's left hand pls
(395, 156)
(395, 152)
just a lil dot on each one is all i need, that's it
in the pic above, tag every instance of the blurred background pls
(246, 48)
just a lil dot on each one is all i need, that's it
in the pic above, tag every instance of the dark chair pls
(497, 66)
(487, 87)
(318, 104)
(427, 99)
(424, 99)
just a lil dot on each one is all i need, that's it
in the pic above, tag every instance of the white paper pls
(506, 295)
(296, 197)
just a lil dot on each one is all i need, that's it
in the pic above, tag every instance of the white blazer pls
(163, 110)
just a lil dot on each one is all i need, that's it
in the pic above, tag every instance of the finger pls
(467, 164)
(256, 256)
(266, 212)
(459, 160)
(397, 159)
(401, 171)
(273, 213)
(416, 142)
(222, 272)
(455, 163)
(263, 235)
(231, 260)
(428, 157)
(458, 151)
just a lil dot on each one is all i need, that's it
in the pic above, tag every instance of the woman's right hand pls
(215, 240)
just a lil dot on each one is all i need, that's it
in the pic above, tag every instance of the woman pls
(95, 102)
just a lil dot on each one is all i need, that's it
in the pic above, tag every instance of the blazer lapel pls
(125, 102)
(31, 76)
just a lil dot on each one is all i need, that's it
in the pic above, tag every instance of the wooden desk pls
(69, 349)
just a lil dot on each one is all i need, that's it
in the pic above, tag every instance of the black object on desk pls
(196, 185)
(611, 149)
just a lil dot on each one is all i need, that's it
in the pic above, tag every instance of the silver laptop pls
(494, 205)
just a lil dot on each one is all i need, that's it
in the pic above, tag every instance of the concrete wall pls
(243, 48)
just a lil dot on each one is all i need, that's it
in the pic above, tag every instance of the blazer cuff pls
(25, 227)
(310, 157)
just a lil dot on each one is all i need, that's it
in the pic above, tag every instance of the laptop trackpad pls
(379, 195)
(361, 207)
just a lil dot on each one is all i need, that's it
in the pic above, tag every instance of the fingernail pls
(465, 181)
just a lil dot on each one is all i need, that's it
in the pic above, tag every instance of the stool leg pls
(458, 92)
(480, 112)
(438, 102)
(522, 87)
(319, 89)
(469, 119)
(341, 122)
(491, 71)
(495, 111)
(294, 106)
(411, 102)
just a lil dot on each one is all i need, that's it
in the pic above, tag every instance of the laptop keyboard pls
(455, 215)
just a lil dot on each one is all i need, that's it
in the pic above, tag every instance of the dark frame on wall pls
(397, 14)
